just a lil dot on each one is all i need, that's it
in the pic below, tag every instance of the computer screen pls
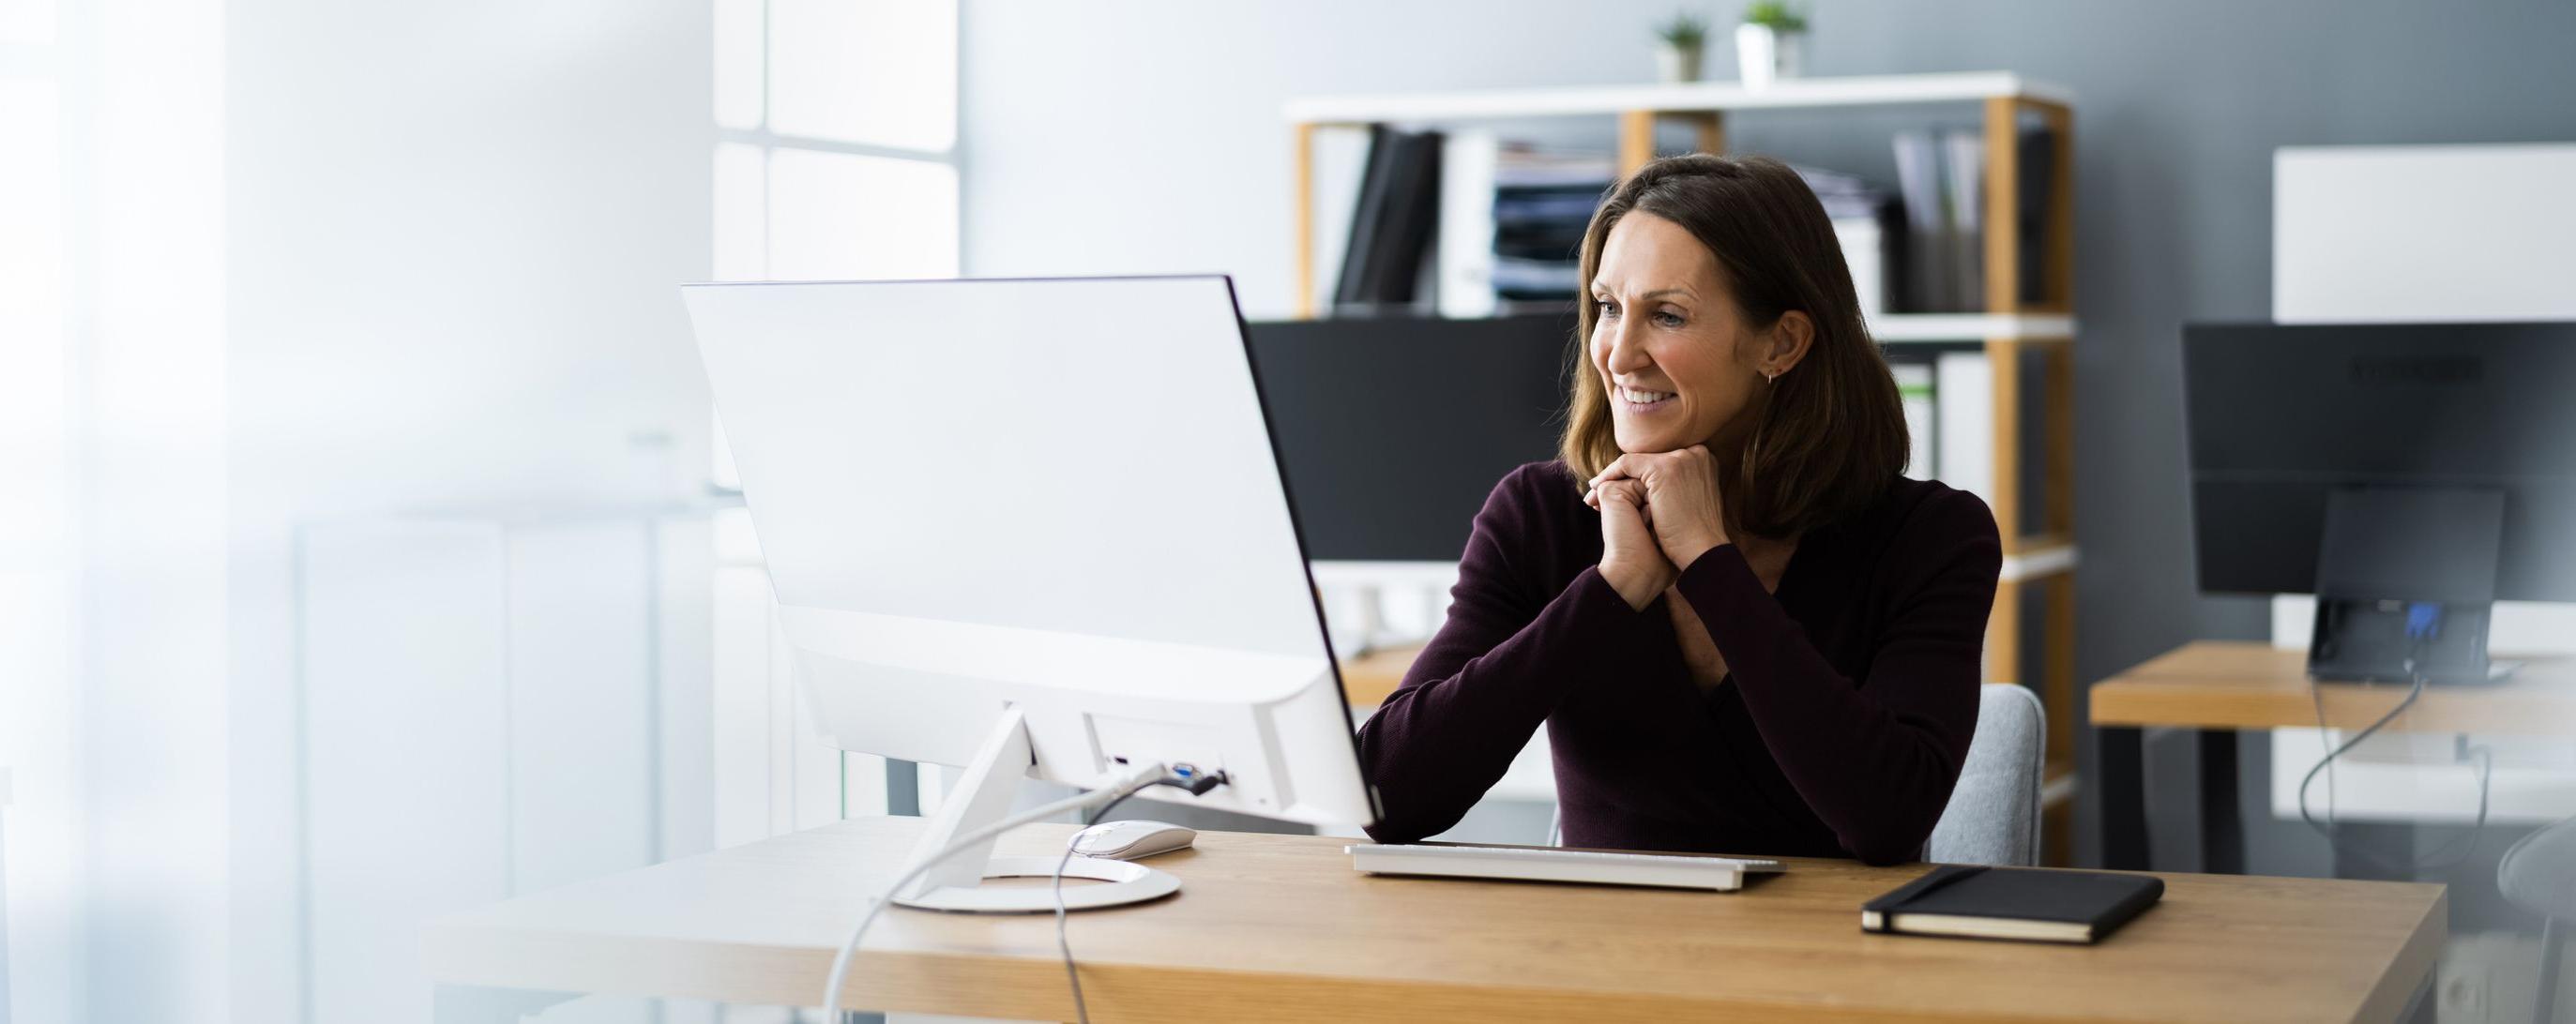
(1393, 431)
(1049, 500)
(2281, 416)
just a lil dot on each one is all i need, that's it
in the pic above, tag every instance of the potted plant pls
(1768, 43)
(1684, 37)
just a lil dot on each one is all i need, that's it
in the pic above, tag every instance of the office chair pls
(2539, 875)
(1993, 815)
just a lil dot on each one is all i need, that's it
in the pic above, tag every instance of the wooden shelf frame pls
(2039, 567)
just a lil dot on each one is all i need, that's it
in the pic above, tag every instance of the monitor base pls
(1126, 883)
(981, 799)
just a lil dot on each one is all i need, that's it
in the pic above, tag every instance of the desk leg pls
(2424, 1008)
(2120, 756)
(2374, 850)
(475, 1004)
(903, 788)
(2222, 822)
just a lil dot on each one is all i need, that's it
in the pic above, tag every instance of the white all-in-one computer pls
(1035, 528)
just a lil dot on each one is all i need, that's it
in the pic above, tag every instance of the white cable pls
(1081, 1012)
(1136, 778)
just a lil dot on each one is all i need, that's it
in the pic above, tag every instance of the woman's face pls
(1669, 343)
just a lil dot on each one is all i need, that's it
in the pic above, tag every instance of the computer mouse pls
(1129, 840)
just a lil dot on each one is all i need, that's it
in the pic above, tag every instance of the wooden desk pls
(2220, 687)
(1270, 927)
(1367, 679)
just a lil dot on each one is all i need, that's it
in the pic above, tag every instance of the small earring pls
(1771, 378)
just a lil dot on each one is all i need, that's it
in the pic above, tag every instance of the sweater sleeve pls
(1505, 658)
(1874, 757)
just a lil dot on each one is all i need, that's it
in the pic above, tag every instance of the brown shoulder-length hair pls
(1829, 435)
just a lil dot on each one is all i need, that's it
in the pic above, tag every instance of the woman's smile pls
(1640, 401)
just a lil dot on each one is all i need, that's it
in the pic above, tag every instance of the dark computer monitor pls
(2383, 466)
(1392, 431)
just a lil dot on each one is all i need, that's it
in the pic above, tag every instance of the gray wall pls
(1145, 136)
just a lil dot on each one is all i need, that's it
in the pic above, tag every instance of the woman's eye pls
(1605, 307)
(1668, 319)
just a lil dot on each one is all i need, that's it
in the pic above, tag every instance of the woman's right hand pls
(1632, 561)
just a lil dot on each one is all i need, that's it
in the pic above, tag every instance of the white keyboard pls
(1671, 871)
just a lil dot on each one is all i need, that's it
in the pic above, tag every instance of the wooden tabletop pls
(2214, 684)
(1270, 927)
(1367, 679)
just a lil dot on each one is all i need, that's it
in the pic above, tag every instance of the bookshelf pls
(2038, 579)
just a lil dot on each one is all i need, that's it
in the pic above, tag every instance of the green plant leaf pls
(1778, 15)
(1685, 30)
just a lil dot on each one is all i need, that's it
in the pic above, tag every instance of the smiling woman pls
(1732, 453)
(1738, 284)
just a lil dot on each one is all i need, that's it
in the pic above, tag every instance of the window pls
(37, 693)
(836, 123)
(835, 158)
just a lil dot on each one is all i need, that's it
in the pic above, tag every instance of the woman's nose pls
(1625, 354)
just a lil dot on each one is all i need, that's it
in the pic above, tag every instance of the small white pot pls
(1676, 64)
(1763, 56)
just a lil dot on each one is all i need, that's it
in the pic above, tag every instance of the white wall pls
(148, 630)
(1144, 136)
(39, 820)
(467, 281)
(339, 261)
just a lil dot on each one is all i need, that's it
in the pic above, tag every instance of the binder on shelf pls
(1927, 288)
(1391, 221)
(1542, 201)
(1963, 181)
(1413, 206)
(1341, 161)
(1464, 253)
(1941, 178)
(1963, 430)
(1964, 423)
(1914, 389)
(1864, 244)
(1859, 214)
(1367, 212)
(1486, 223)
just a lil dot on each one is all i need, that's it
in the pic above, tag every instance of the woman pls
(1745, 631)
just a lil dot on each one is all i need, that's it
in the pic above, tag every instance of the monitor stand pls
(982, 798)
(2406, 583)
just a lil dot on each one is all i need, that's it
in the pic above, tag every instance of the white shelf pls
(1853, 91)
(2036, 563)
(1894, 328)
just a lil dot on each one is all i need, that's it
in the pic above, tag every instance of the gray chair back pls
(1993, 816)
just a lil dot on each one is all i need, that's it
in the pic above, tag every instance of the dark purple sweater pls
(1850, 701)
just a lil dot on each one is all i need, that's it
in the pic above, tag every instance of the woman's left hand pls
(1682, 497)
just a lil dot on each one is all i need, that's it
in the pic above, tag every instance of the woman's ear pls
(1787, 343)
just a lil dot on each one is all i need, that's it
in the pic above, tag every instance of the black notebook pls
(2013, 903)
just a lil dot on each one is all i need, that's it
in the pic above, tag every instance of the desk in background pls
(1530, 781)
(2221, 687)
(1369, 678)
(1273, 927)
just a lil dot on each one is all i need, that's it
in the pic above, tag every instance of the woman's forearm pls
(1473, 698)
